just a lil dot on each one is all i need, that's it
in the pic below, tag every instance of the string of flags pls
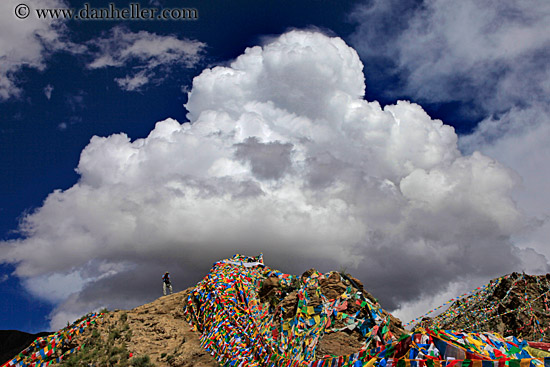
(239, 330)
(477, 293)
(499, 303)
(235, 325)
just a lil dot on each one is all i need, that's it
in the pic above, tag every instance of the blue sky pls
(286, 151)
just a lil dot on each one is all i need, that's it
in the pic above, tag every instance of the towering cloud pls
(488, 58)
(281, 155)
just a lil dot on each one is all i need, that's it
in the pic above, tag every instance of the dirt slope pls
(156, 330)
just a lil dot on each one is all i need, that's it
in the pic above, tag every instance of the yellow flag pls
(525, 362)
(310, 310)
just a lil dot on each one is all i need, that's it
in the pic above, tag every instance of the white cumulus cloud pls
(490, 53)
(281, 155)
(491, 59)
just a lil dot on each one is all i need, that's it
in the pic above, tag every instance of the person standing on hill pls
(166, 283)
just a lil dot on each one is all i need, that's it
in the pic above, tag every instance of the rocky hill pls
(159, 334)
(155, 334)
(513, 305)
(245, 313)
(152, 334)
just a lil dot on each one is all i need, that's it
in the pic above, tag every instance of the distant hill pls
(14, 341)
(513, 305)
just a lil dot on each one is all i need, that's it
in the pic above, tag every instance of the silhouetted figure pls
(166, 283)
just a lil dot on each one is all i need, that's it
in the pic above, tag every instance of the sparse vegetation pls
(114, 335)
(98, 352)
(153, 338)
(123, 317)
(128, 336)
(143, 361)
(118, 350)
(105, 354)
(113, 360)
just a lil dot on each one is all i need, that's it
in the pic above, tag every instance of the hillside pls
(159, 333)
(512, 305)
(244, 313)
(155, 332)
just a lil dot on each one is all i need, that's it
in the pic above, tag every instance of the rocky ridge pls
(513, 305)
(159, 334)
